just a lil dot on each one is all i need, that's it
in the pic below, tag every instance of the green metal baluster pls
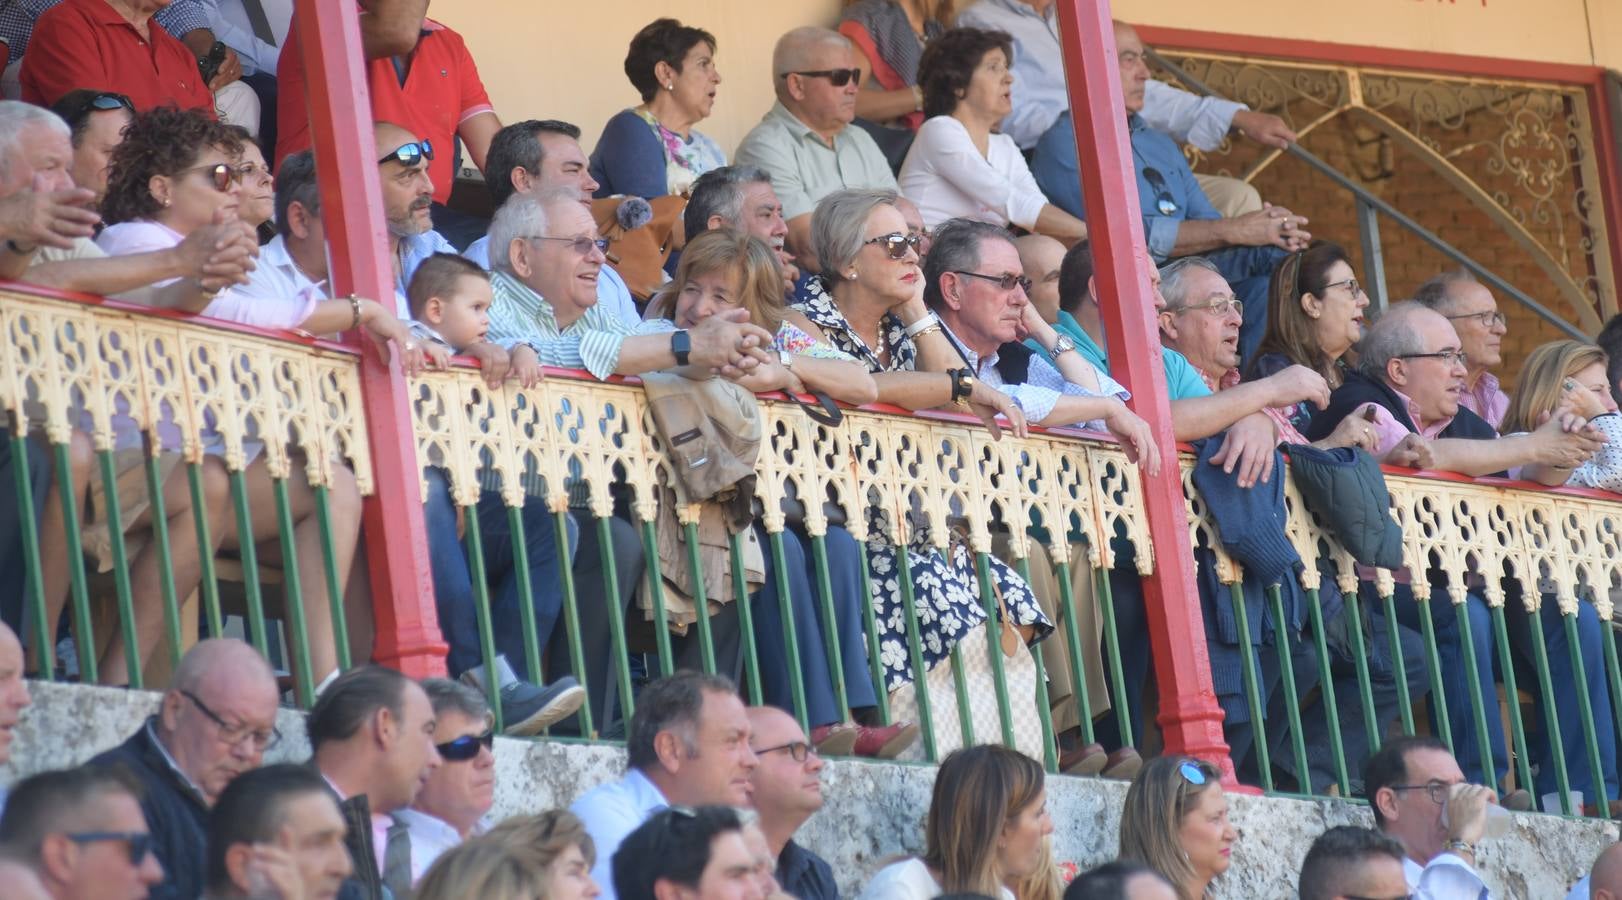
(1551, 716)
(1433, 664)
(1292, 701)
(43, 629)
(616, 617)
(1579, 671)
(1326, 689)
(1523, 766)
(335, 591)
(82, 629)
(1072, 637)
(875, 660)
(656, 588)
(1112, 643)
(915, 648)
(1253, 697)
(982, 565)
(1044, 703)
(960, 687)
(481, 608)
(830, 624)
(293, 596)
(1613, 670)
(209, 580)
(571, 622)
(250, 563)
(701, 601)
(1354, 629)
(746, 620)
(526, 591)
(160, 546)
(1478, 706)
(121, 567)
(791, 647)
(1405, 704)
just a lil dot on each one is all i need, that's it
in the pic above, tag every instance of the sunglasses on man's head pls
(139, 843)
(896, 244)
(411, 154)
(467, 746)
(104, 101)
(222, 174)
(836, 77)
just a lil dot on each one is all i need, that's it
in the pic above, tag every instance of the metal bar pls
(701, 600)
(44, 630)
(293, 597)
(915, 649)
(1405, 704)
(329, 566)
(1579, 673)
(571, 621)
(165, 554)
(1190, 718)
(1044, 703)
(746, 619)
(791, 647)
(250, 564)
(1433, 665)
(1365, 688)
(1478, 703)
(1253, 695)
(526, 591)
(830, 624)
(114, 517)
(481, 609)
(1551, 716)
(1374, 202)
(1292, 700)
(875, 660)
(209, 583)
(1368, 231)
(1112, 646)
(616, 618)
(84, 638)
(994, 626)
(407, 621)
(1613, 670)
(1326, 689)
(656, 589)
(1506, 665)
(1072, 636)
(960, 687)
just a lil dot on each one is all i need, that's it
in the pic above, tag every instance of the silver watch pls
(1062, 346)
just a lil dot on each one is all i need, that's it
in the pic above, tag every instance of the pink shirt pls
(1287, 433)
(1388, 432)
(1486, 399)
(145, 236)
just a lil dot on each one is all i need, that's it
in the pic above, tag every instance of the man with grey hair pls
(1467, 303)
(805, 141)
(740, 197)
(452, 804)
(214, 723)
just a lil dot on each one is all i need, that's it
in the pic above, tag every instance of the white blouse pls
(908, 880)
(945, 175)
(1604, 470)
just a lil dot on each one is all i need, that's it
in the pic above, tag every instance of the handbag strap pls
(826, 411)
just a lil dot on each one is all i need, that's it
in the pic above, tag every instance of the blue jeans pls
(1591, 633)
(846, 568)
(453, 581)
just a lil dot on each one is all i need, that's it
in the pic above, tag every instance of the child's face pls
(464, 315)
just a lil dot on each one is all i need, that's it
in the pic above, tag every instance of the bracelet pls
(928, 321)
(933, 326)
(1458, 846)
(354, 307)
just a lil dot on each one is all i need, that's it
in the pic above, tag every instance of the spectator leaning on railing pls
(276, 829)
(214, 724)
(83, 833)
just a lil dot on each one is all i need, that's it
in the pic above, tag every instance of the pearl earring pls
(670, 85)
(851, 275)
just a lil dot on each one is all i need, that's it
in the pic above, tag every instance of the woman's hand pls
(1137, 439)
(384, 328)
(770, 376)
(987, 402)
(1353, 431)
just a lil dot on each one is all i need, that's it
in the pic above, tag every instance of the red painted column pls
(408, 635)
(1190, 718)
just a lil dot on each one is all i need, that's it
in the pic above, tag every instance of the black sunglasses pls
(896, 244)
(409, 155)
(222, 174)
(1163, 198)
(467, 746)
(836, 77)
(1007, 281)
(139, 843)
(103, 101)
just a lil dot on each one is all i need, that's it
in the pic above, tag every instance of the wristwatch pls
(962, 384)
(1458, 846)
(1062, 346)
(786, 358)
(681, 344)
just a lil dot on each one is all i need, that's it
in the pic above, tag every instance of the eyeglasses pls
(104, 101)
(1221, 306)
(1349, 284)
(467, 746)
(232, 735)
(1164, 201)
(836, 77)
(799, 750)
(409, 155)
(897, 244)
(223, 175)
(1489, 319)
(1436, 789)
(1447, 356)
(1007, 281)
(139, 843)
(580, 245)
(1192, 772)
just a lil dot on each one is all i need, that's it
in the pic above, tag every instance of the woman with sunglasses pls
(987, 830)
(177, 171)
(652, 149)
(868, 302)
(959, 166)
(1175, 820)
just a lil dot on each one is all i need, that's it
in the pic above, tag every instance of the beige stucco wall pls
(557, 59)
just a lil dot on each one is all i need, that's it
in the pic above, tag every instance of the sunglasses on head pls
(836, 77)
(1192, 772)
(411, 154)
(139, 843)
(102, 101)
(222, 174)
(897, 244)
(467, 746)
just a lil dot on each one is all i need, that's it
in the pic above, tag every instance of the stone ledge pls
(874, 811)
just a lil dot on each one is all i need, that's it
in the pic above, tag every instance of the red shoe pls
(834, 739)
(885, 742)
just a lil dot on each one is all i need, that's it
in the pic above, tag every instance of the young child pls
(450, 302)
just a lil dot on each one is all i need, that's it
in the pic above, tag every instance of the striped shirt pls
(592, 342)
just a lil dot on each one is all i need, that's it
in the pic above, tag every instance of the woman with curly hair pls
(178, 171)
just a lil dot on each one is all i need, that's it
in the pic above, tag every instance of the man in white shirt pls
(451, 806)
(1409, 784)
(688, 746)
(294, 263)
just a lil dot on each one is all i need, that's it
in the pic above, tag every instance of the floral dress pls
(946, 594)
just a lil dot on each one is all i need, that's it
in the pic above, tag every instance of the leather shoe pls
(885, 741)
(1518, 800)
(834, 739)
(1083, 760)
(1123, 764)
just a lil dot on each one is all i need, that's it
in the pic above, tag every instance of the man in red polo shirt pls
(421, 77)
(111, 45)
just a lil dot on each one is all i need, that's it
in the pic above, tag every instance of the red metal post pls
(408, 635)
(1190, 718)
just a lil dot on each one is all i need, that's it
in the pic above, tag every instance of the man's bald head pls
(13, 690)
(215, 658)
(768, 723)
(219, 715)
(1605, 882)
(389, 136)
(787, 791)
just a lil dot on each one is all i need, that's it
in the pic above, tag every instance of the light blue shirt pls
(1043, 385)
(1176, 185)
(413, 250)
(611, 812)
(613, 293)
(1183, 381)
(1039, 93)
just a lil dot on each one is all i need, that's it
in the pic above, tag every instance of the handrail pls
(1369, 200)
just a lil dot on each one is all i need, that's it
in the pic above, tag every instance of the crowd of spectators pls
(909, 208)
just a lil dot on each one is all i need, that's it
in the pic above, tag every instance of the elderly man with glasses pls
(214, 723)
(1467, 303)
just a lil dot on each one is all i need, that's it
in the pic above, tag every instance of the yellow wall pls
(558, 59)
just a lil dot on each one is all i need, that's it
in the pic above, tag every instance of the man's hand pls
(1467, 811)
(36, 216)
(230, 70)
(525, 366)
(728, 340)
(1413, 452)
(219, 254)
(1247, 448)
(1136, 437)
(1271, 225)
(1295, 385)
(1565, 440)
(987, 402)
(770, 376)
(1263, 128)
(493, 361)
(1031, 324)
(1353, 431)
